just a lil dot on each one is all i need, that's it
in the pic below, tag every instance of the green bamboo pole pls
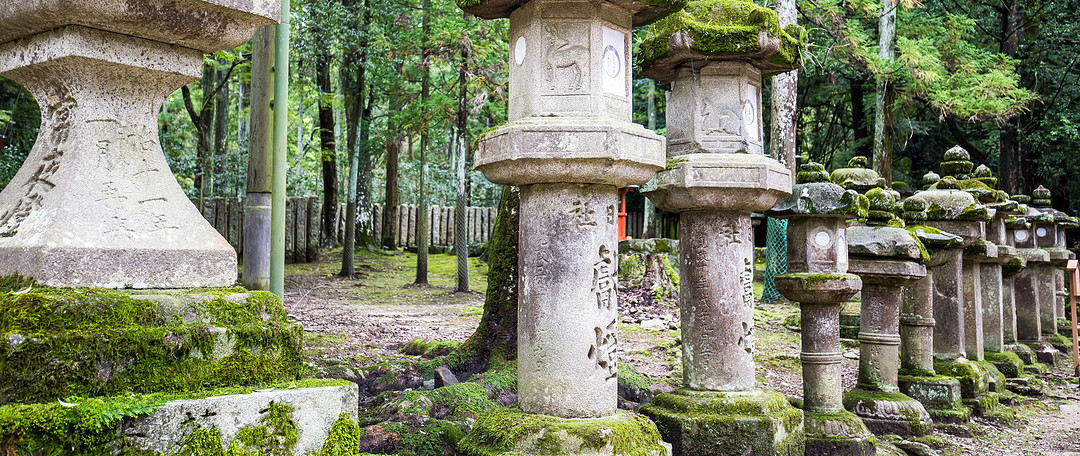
(281, 119)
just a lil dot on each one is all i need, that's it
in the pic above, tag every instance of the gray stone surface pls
(314, 411)
(567, 309)
(742, 182)
(712, 110)
(95, 204)
(208, 25)
(717, 307)
(816, 198)
(882, 242)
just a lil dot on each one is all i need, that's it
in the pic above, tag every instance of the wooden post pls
(376, 225)
(314, 209)
(290, 230)
(1074, 277)
(301, 239)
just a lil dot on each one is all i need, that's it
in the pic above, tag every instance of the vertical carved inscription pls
(604, 280)
(60, 104)
(603, 352)
(746, 341)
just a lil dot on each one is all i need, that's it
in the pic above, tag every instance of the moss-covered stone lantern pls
(569, 144)
(1050, 236)
(95, 204)
(818, 212)
(953, 207)
(886, 257)
(714, 53)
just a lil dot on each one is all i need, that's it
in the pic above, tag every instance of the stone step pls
(291, 418)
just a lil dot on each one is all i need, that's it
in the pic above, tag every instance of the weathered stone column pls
(569, 145)
(1026, 287)
(717, 176)
(1050, 236)
(886, 258)
(939, 395)
(95, 204)
(817, 279)
(955, 205)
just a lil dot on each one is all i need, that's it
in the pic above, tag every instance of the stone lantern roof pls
(645, 11)
(815, 195)
(1041, 202)
(206, 25)
(957, 166)
(719, 30)
(857, 176)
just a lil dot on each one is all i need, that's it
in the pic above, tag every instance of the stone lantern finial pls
(929, 179)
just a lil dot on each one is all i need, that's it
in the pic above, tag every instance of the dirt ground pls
(365, 320)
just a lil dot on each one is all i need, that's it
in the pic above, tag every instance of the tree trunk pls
(204, 128)
(221, 129)
(785, 87)
(329, 154)
(1011, 161)
(260, 164)
(393, 197)
(461, 247)
(883, 118)
(355, 86)
(422, 223)
(495, 339)
(863, 140)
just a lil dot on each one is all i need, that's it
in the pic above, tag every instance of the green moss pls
(95, 342)
(972, 378)
(84, 425)
(868, 400)
(428, 348)
(509, 430)
(203, 442)
(463, 399)
(276, 437)
(722, 28)
(433, 437)
(343, 439)
(728, 423)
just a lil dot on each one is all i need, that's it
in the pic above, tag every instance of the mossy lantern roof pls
(717, 30)
(814, 195)
(645, 11)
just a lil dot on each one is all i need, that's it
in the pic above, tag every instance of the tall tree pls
(203, 118)
(328, 157)
(1010, 158)
(357, 110)
(883, 103)
(423, 226)
(461, 247)
(221, 128)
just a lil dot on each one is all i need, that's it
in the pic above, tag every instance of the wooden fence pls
(303, 235)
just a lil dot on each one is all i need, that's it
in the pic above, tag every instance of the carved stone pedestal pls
(95, 204)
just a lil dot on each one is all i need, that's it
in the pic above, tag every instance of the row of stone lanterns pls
(570, 143)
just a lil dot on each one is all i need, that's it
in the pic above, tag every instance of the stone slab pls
(314, 411)
(560, 150)
(729, 182)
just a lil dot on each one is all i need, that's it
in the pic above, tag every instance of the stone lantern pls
(940, 395)
(1050, 236)
(95, 204)
(1026, 283)
(956, 211)
(886, 258)
(714, 54)
(569, 145)
(817, 212)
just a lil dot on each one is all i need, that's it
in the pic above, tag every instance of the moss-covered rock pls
(719, 30)
(842, 433)
(508, 430)
(709, 423)
(95, 342)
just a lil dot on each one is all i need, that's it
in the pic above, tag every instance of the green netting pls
(775, 257)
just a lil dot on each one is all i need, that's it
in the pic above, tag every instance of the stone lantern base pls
(509, 431)
(840, 433)
(889, 413)
(980, 383)
(700, 423)
(941, 396)
(1012, 367)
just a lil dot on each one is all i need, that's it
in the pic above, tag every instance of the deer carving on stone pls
(560, 54)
